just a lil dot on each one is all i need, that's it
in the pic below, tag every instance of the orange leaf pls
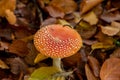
(110, 69)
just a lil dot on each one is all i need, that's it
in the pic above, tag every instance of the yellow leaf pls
(100, 45)
(110, 31)
(40, 57)
(3, 65)
(91, 18)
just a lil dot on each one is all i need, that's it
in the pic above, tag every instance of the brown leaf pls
(29, 58)
(87, 33)
(3, 65)
(17, 65)
(22, 33)
(4, 45)
(19, 48)
(72, 60)
(55, 12)
(87, 5)
(91, 18)
(94, 65)
(49, 21)
(67, 6)
(104, 38)
(116, 53)
(6, 33)
(110, 17)
(109, 30)
(110, 69)
(89, 73)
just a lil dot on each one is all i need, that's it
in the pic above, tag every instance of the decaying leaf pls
(110, 69)
(110, 31)
(4, 45)
(17, 65)
(3, 65)
(86, 5)
(19, 48)
(86, 31)
(67, 6)
(94, 65)
(55, 12)
(6, 33)
(116, 53)
(40, 57)
(91, 18)
(110, 17)
(100, 45)
(104, 38)
(89, 73)
(43, 73)
(72, 60)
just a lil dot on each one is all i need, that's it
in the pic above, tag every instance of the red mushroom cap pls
(57, 41)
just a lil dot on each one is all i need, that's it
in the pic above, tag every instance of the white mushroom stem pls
(57, 63)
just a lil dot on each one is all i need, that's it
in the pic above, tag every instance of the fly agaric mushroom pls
(57, 41)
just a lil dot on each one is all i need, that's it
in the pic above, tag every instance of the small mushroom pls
(57, 41)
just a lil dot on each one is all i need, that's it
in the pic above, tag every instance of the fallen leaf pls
(89, 73)
(91, 18)
(100, 45)
(30, 57)
(43, 73)
(67, 6)
(87, 5)
(86, 31)
(17, 65)
(6, 33)
(116, 53)
(110, 17)
(40, 57)
(55, 12)
(72, 60)
(110, 69)
(49, 21)
(19, 48)
(94, 65)
(104, 38)
(3, 65)
(110, 31)
(4, 45)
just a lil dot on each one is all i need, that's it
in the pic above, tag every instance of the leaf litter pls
(97, 21)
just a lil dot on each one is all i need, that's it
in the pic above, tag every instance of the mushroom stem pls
(57, 63)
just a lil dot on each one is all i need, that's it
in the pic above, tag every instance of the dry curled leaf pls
(17, 65)
(116, 53)
(110, 17)
(19, 48)
(3, 65)
(86, 5)
(89, 73)
(109, 30)
(91, 18)
(110, 69)
(55, 12)
(4, 45)
(67, 6)
(94, 65)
